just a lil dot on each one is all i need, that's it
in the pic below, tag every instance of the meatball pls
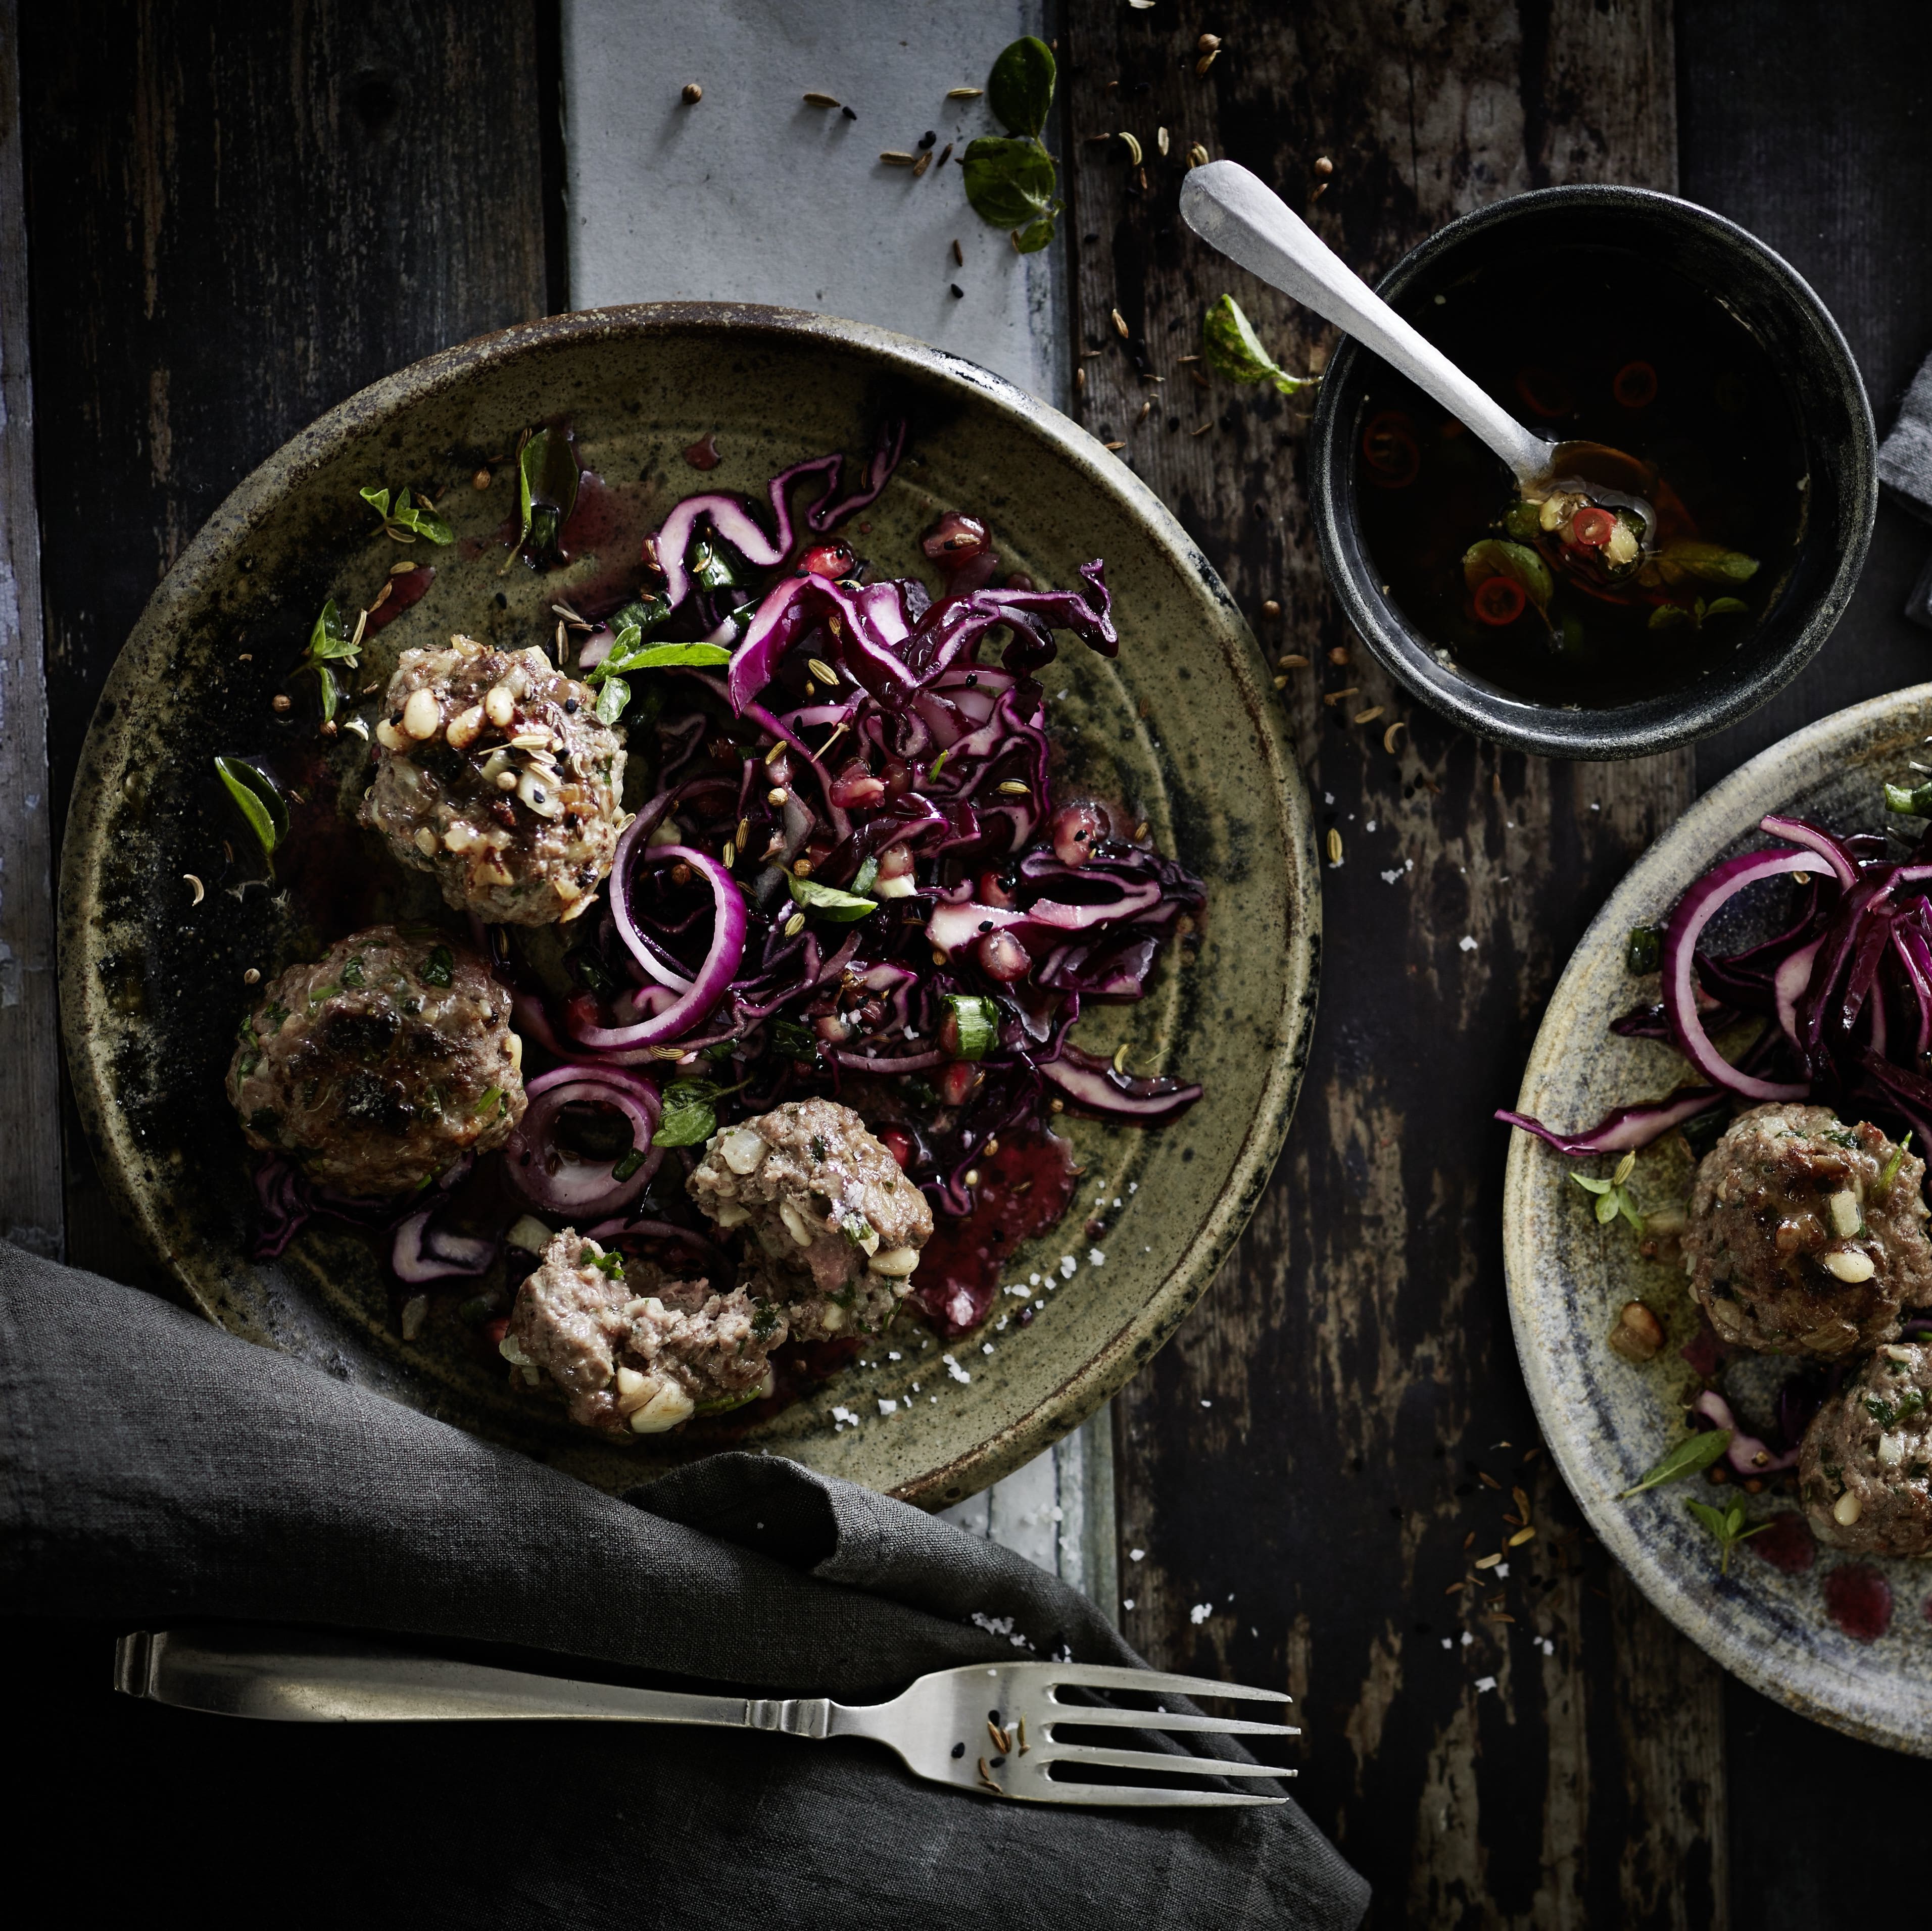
(1865, 1471)
(631, 1350)
(380, 1065)
(494, 772)
(1806, 1236)
(838, 1226)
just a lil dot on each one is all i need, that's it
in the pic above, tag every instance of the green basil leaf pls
(1034, 236)
(421, 519)
(971, 1028)
(637, 619)
(1915, 801)
(378, 500)
(1607, 1207)
(828, 901)
(690, 1113)
(1232, 349)
(1590, 1185)
(330, 638)
(439, 968)
(1009, 183)
(1709, 563)
(613, 694)
(1668, 616)
(547, 479)
(608, 1263)
(1019, 90)
(1493, 557)
(1726, 607)
(260, 801)
(1691, 1456)
(1713, 1519)
(660, 656)
(794, 1041)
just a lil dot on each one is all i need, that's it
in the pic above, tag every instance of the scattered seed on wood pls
(1160, 138)
(1501, 1616)
(1469, 1541)
(1388, 744)
(481, 480)
(1014, 787)
(280, 701)
(1292, 661)
(818, 100)
(1281, 683)
(946, 154)
(1488, 1480)
(1080, 378)
(200, 890)
(1133, 147)
(1199, 381)
(1119, 324)
(1003, 1740)
(1334, 847)
(959, 255)
(897, 157)
(1202, 430)
(963, 93)
(1271, 608)
(1488, 1561)
(1146, 409)
(1206, 60)
(920, 166)
(252, 976)
(1197, 156)
(1331, 698)
(1456, 1588)
(1323, 165)
(1522, 1501)
(1098, 140)
(1208, 44)
(1369, 716)
(1113, 445)
(1521, 1536)
(693, 93)
(1320, 189)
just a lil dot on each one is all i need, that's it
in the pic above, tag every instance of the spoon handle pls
(1235, 212)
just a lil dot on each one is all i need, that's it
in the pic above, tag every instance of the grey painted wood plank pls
(31, 1212)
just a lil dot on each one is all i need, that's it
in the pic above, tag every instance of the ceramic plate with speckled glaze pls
(1182, 726)
(1784, 1630)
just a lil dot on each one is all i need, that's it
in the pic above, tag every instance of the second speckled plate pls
(1183, 724)
(1607, 1421)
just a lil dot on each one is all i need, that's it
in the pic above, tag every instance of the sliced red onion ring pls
(1747, 1454)
(413, 1261)
(1093, 1084)
(714, 976)
(1695, 910)
(1813, 838)
(575, 1186)
(1787, 987)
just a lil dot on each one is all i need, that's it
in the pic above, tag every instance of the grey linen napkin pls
(154, 1468)
(1905, 468)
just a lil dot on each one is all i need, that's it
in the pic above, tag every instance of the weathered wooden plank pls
(242, 215)
(1357, 1354)
(31, 1209)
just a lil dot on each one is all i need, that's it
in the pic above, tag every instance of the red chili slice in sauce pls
(1500, 600)
(1635, 384)
(1544, 392)
(1591, 529)
(1389, 448)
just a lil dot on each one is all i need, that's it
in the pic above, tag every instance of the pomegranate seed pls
(990, 892)
(955, 1081)
(954, 540)
(832, 560)
(897, 1143)
(856, 786)
(1077, 828)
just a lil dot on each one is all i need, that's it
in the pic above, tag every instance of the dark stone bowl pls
(1825, 393)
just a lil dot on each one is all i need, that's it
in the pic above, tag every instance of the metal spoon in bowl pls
(1234, 210)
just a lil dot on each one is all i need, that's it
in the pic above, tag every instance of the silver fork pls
(989, 1728)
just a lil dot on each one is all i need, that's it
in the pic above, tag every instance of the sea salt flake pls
(1484, 1683)
(1468, 944)
(1467, 1639)
(843, 1417)
(887, 1407)
(1095, 1258)
(1200, 1612)
(1136, 1554)
(986, 1348)
(953, 1369)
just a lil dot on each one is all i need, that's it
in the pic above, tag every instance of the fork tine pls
(1079, 1754)
(1117, 1676)
(1139, 1794)
(1153, 1719)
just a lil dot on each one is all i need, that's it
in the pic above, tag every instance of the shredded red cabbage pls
(1845, 991)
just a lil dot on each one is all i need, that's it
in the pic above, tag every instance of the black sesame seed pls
(996, 1762)
(570, 705)
(993, 1716)
(848, 113)
(926, 140)
(958, 293)
(958, 1751)
(985, 924)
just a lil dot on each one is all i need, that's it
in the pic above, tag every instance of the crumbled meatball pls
(838, 1226)
(863, 1306)
(1806, 1236)
(631, 1350)
(1865, 1471)
(379, 1065)
(494, 772)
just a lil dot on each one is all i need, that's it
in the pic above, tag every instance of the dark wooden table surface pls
(235, 216)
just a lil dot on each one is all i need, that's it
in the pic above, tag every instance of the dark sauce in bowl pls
(1587, 344)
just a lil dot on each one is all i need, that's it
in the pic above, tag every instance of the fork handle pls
(295, 1676)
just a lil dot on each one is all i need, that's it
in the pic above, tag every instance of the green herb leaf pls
(439, 968)
(608, 1263)
(1668, 616)
(862, 882)
(1232, 349)
(1708, 562)
(1727, 1526)
(627, 1165)
(613, 694)
(656, 657)
(793, 1041)
(1493, 557)
(637, 619)
(1889, 1172)
(1643, 951)
(1010, 183)
(547, 477)
(260, 801)
(828, 901)
(690, 1112)
(408, 520)
(1691, 1456)
(1915, 801)
(711, 567)
(329, 643)
(971, 1028)
(1726, 607)
(1019, 90)
(1034, 237)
